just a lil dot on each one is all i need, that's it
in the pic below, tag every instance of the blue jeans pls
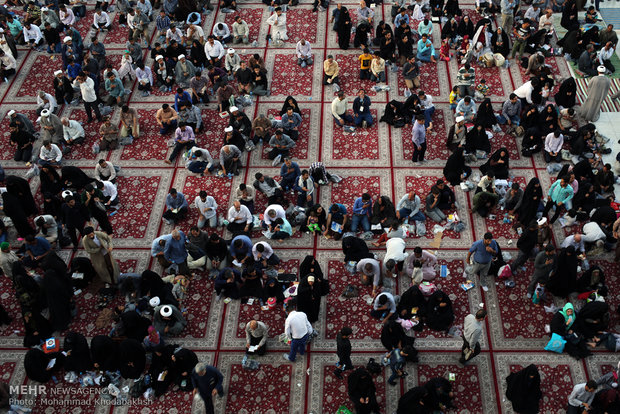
(347, 119)
(379, 78)
(426, 55)
(515, 119)
(360, 219)
(167, 127)
(428, 113)
(405, 212)
(57, 49)
(298, 345)
(363, 117)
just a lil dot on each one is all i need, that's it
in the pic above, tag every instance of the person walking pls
(483, 251)
(298, 329)
(207, 381)
(472, 330)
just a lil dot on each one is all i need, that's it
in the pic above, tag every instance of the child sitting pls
(482, 90)
(454, 97)
(444, 51)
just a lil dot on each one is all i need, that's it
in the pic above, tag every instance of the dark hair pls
(173, 191)
(365, 196)
(383, 299)
(488, 236)
(481, 314)
(260, 247)
(194, 228)
(258, 176)
(202, 193)
(214, 237)
(417, 250)
(549, 248)
(346, 331)
(591, 384)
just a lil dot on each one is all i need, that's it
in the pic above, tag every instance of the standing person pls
(362, 391)
(484, 251)
(87, 89)
(418, 136)
(207, 381)
(472, 330)
(523, 390)
(581, 397)
(598, 89)
(343, 350)
(93, 200)
(99, 247)
(298, 330)
(74, 217)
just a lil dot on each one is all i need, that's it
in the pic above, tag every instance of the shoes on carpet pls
(285, 356)
(485, 288)
(276, 160)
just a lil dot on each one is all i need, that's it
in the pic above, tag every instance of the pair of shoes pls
(276, 160)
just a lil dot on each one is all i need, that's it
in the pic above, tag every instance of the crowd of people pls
(543, 114)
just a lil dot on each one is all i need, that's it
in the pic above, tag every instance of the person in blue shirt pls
(227, 283)
(426, 50)
(290, 124)
(282, 229)
(182, 96)
(288, 174)
(176, 207)
(337, 214)
(241, 248)
(73, 69)
(157, 249)
(36, 248)
(483, 251)
(361, 110)
(362, 208)
(175, 251)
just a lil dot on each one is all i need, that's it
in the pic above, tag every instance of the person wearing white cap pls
(233, 137)
(22, 121)
(51, 127)
(214, 51)
(184, 71)
(168, 320)
(232, 62)
(32, 35)
(457, 134)
(45, 101)
(194, 32)
(164, 73)
(49, 16)
(304, 53)
(598, 88)
(101, 20)
(70, 50)
(99, 247)
(221, 31)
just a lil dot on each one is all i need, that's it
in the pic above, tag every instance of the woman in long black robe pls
(564, 280)
(75, 177)
(361, 387)
(50, 180)
(151, 285)
(133, 325)
(530, 118)
(439, 312)
(532, 142)
(160, 362)
(36, 362)
(20, 188)
(523, 390)
(309, 298)
(592, 279)
(500, 43)
(530, 203)
(584, 201)
(132, 359)
(466, 27)
(592, 319)
(439, 394)
(393, 336)
(477, 140)
(320, 213)
(499, 163)
(410, 299)
(104, 353)
(289, 103)
(414, 401)
(567, 93)
(548, 120)
(362, 35)
(355, 249)
(486, 115)
(78, 355)
(184, 361)
(59, 294)
(455, 167)
(392, 112)
(343, 28)
(13, 209)
(37, 328)
(311, 266)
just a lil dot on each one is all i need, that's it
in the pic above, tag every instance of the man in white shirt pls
(214, 51)
(8, 65)
(546, 21)
(72, 131)
(207, 206)
(472, 331)
(221, 31)
(304, 53)
(50, 154)
(174, 33)
(394, 259)
(110, 193)
(384, 307)
(240, 220)
(264, 256)
(32, 35)
(277, 21)
(553, 145)
(604, 56)
(194, 32)
(46, 101)
(298, 329)
(101, 20)
(66, 15)
(87, 88)
(105, 171)
(339, 110)
(273, 212)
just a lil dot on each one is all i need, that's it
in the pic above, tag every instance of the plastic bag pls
(95, 148)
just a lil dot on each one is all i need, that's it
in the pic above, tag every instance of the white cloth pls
(297, 325)
(241, 216)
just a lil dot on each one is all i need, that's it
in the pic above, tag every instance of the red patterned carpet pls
(374, 160)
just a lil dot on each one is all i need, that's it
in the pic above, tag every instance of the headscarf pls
(562, 98)
(569, 319)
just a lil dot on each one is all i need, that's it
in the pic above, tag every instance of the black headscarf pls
(12, 208)
(564, 280)
(310, 265)
(59, 294)
(531, 200)
(486, 116)
(36, 361)
(477, 139)
(587, 282)
(523, 390)
(567, 93)
(131, 351)
(415, 401)
(78, 358)
(104, 352)
(455, 166)
(439, 318)
(355, 249)
(287, 105)
(309, 298)
(20, 188)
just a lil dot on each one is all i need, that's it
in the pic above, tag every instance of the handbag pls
(556, 344)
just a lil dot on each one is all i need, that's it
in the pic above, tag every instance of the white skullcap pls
(180, 57)
(11, 112)
(66, 193)
(233, 109)
(58, 72)
(154, 302)
(231, 51)
(166, 311)
(67, 39)
(460, 118)
(542, 221)
(44, 9)
(601, 69)
(158, 57)
(228, 129)
(45, 112)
